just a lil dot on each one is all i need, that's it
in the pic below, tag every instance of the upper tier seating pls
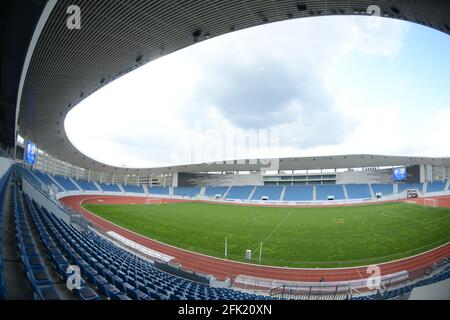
(240, 192)
(409, 186)
(325, 190)
(190, 192)
(66, 183)
(158, 190)
(133, 188)
(86, 185)
(385, 189)
(120, 274)
(358, 191)
(436, 186)
(298, 193)
(272, 192)
(109, 187)
(213, 191)
(3, 188)
(45, 179)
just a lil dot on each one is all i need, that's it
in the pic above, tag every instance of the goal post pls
(429, 202)
(153, 201)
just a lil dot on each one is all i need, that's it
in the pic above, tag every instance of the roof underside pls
(117, 36)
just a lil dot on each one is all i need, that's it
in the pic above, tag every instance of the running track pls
(223, 269)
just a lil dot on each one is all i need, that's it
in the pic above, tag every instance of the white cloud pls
(274, 77)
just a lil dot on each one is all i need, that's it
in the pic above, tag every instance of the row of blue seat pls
(59, 263)
(3, 188)
(37, 275)
(66, 183)
(119, 274)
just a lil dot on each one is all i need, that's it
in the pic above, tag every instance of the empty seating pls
(66, 183)
(384, 188)
(86, 185)
(158, 190)
(326, 190)
(190, 192)
(109, 187)
(410, 186)
(240, 192)
(119, 274)
(133, 189)
(358, 191)
(45, 179)
(272, 192)
(213, 191)
(3, 186)
(436, 186)
(298, 193)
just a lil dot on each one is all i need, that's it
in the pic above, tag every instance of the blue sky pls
(315, 86)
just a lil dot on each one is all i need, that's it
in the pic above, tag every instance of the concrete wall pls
(5, 164)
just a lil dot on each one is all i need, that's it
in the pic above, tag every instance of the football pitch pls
(292, 237)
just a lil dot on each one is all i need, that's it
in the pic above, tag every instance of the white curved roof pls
(118, 36)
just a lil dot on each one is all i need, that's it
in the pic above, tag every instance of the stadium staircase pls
(202, 191)
(120, 187)
(145, 189)
(283, 192)
(97, 185)
(345, 191)
(251, 194)
(75, 183)
(424, 188)
(447, 186)
(395, 188)
(56, 182)
(226, 193)
(314, 193)
(372, 194)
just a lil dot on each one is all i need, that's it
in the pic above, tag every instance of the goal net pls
(430, 202)
(152, 201)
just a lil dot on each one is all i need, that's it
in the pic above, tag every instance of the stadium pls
(336, 227)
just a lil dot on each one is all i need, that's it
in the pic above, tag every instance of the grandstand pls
(272, 193)
(325, 191)
(298, 193)
(240, 192)
(109, 187)
(133, 189)
(47, 70)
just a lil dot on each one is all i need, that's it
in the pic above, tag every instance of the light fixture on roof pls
(196, 34)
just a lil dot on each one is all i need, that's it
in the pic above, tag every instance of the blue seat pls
(46, 293)
(108, 290)
(119, 296)
(39, 278)
(86, 293)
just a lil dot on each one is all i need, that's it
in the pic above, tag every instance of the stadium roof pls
(62, 67)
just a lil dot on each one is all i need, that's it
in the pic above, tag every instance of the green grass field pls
(294, 237)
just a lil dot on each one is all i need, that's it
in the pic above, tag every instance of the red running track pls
(223, 269)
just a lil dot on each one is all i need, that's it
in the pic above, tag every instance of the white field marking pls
(277, 227)
(384, 213)
(412, 219)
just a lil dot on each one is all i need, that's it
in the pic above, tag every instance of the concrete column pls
(422, 173)
(175, 179)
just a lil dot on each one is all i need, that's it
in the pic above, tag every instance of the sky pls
(306, 87)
